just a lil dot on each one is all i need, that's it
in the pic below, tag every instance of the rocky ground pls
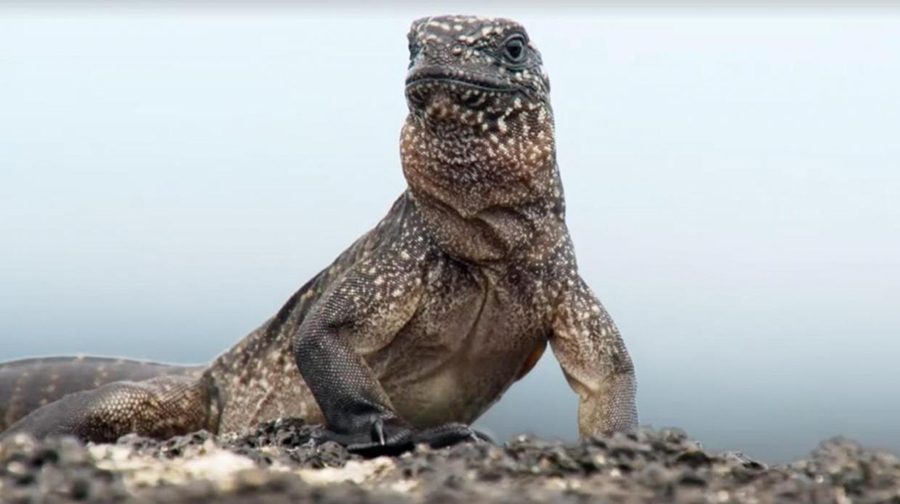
(277, 463)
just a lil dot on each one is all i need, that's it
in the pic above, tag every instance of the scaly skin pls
(422, 324)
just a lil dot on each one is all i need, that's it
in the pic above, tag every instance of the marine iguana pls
(421, 324)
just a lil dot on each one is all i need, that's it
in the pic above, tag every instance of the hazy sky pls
(169, 177)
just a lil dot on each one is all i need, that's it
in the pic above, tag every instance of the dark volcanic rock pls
(280, 462)
(56, 470)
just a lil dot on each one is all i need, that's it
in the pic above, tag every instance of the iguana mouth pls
(471, 91)
(481, 85)
(443, 77)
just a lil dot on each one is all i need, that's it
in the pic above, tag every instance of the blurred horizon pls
(731, 180)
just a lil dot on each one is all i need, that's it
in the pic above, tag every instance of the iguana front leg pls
(590, 350)
(360, 315)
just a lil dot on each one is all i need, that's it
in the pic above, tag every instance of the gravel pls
(278, 462)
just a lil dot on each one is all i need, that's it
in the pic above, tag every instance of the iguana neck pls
(487, 186)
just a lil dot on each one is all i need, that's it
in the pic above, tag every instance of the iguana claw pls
(392, 436)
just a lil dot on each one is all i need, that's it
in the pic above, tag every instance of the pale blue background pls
(168, 177)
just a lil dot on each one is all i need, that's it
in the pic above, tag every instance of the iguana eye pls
(413, 52)
(514, 49)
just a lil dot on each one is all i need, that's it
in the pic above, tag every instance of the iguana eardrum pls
(421, 324)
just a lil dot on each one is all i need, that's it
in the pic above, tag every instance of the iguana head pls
(462, 65)
(479, 135)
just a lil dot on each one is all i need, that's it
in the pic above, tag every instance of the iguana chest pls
(472, 337)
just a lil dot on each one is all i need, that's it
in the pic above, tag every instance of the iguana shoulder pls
(257, 378)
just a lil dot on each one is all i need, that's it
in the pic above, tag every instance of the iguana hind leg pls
(160, 407)
(28, 384)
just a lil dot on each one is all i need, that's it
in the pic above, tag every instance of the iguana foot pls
(450, 434)
(393, 436)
